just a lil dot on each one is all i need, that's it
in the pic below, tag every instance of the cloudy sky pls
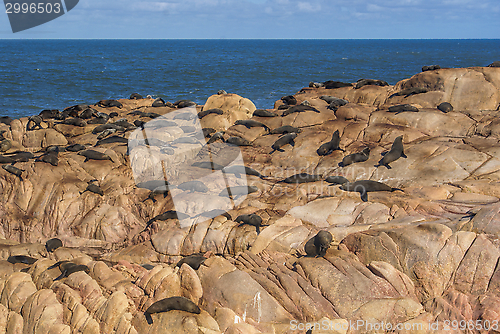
(271, 19)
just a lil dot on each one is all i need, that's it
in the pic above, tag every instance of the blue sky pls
(271, 19)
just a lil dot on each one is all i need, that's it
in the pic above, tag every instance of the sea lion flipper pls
(148, 318)
(59, 277)
(403, 155)
(364, 196)
(387, 165)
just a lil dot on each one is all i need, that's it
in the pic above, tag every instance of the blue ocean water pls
(54, 74)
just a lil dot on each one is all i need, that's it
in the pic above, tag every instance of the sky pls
(271, 19)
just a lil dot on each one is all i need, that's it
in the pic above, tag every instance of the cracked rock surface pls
(423, 253)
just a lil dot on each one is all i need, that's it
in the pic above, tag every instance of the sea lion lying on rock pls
(169, 304)
(355, 157)
(363, 187)
(319, 244)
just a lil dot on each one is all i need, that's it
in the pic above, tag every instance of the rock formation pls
(413, 258)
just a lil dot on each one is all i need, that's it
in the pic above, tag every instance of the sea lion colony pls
(286, 138)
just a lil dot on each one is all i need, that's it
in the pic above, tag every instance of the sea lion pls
(208, 131)
(394, 154)
(160, 123)
(105, 133)
(302, 178)
(6, 120)
(319, 244)
(161, 190)
(170, 214)
(313, 84)
(135, 96)
(74, 110)
(290, 100)
(332, 145)
(21, 259)
(237, 191)
(194, 261)
(336, 179)
(94, 155)
(184, 103)
(193, 186)
(250, 123)
(445, 107)
(426, 68)
(169, 304)
(159, 102)
(288, 138)
(75, 122)
(402, 108)
(93, 188)
(50, 158)
(184, 140)
(112, 140)
(167, 150)
(36, 120)
(332, 100)
(87, 113)
(238, 141)
(216, 136)
(221, 92)
(204, 113)
(6, 159)
(410, 91)
(251, 219)
(5, 145)
(330, 84)
(139, 123)
(109, 104)
(75, 147)
(264, 113)
(53, 244)
(285, 129)
(98, 120)
(17, 157)
(363, 187)
(187, 116)
(207, 165)
(49, 114)
(14, 170)
(188, 129)
(355, 157)
(125, 124)
(369, 82)
(237, 170)
(299, 108)
(68, 268)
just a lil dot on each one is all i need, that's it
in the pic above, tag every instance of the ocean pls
(54, 74)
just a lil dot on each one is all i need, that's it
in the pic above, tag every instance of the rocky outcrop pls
(422, 251)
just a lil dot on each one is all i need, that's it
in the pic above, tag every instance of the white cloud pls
(308, 7)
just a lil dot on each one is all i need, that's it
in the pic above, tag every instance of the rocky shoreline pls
(424, 254)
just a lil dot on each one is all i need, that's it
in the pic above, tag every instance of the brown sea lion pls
(330, 146)
(282, 141)
(394, 154)
(363, 187)
(355, 157)
(169, 304)
(319, 244)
